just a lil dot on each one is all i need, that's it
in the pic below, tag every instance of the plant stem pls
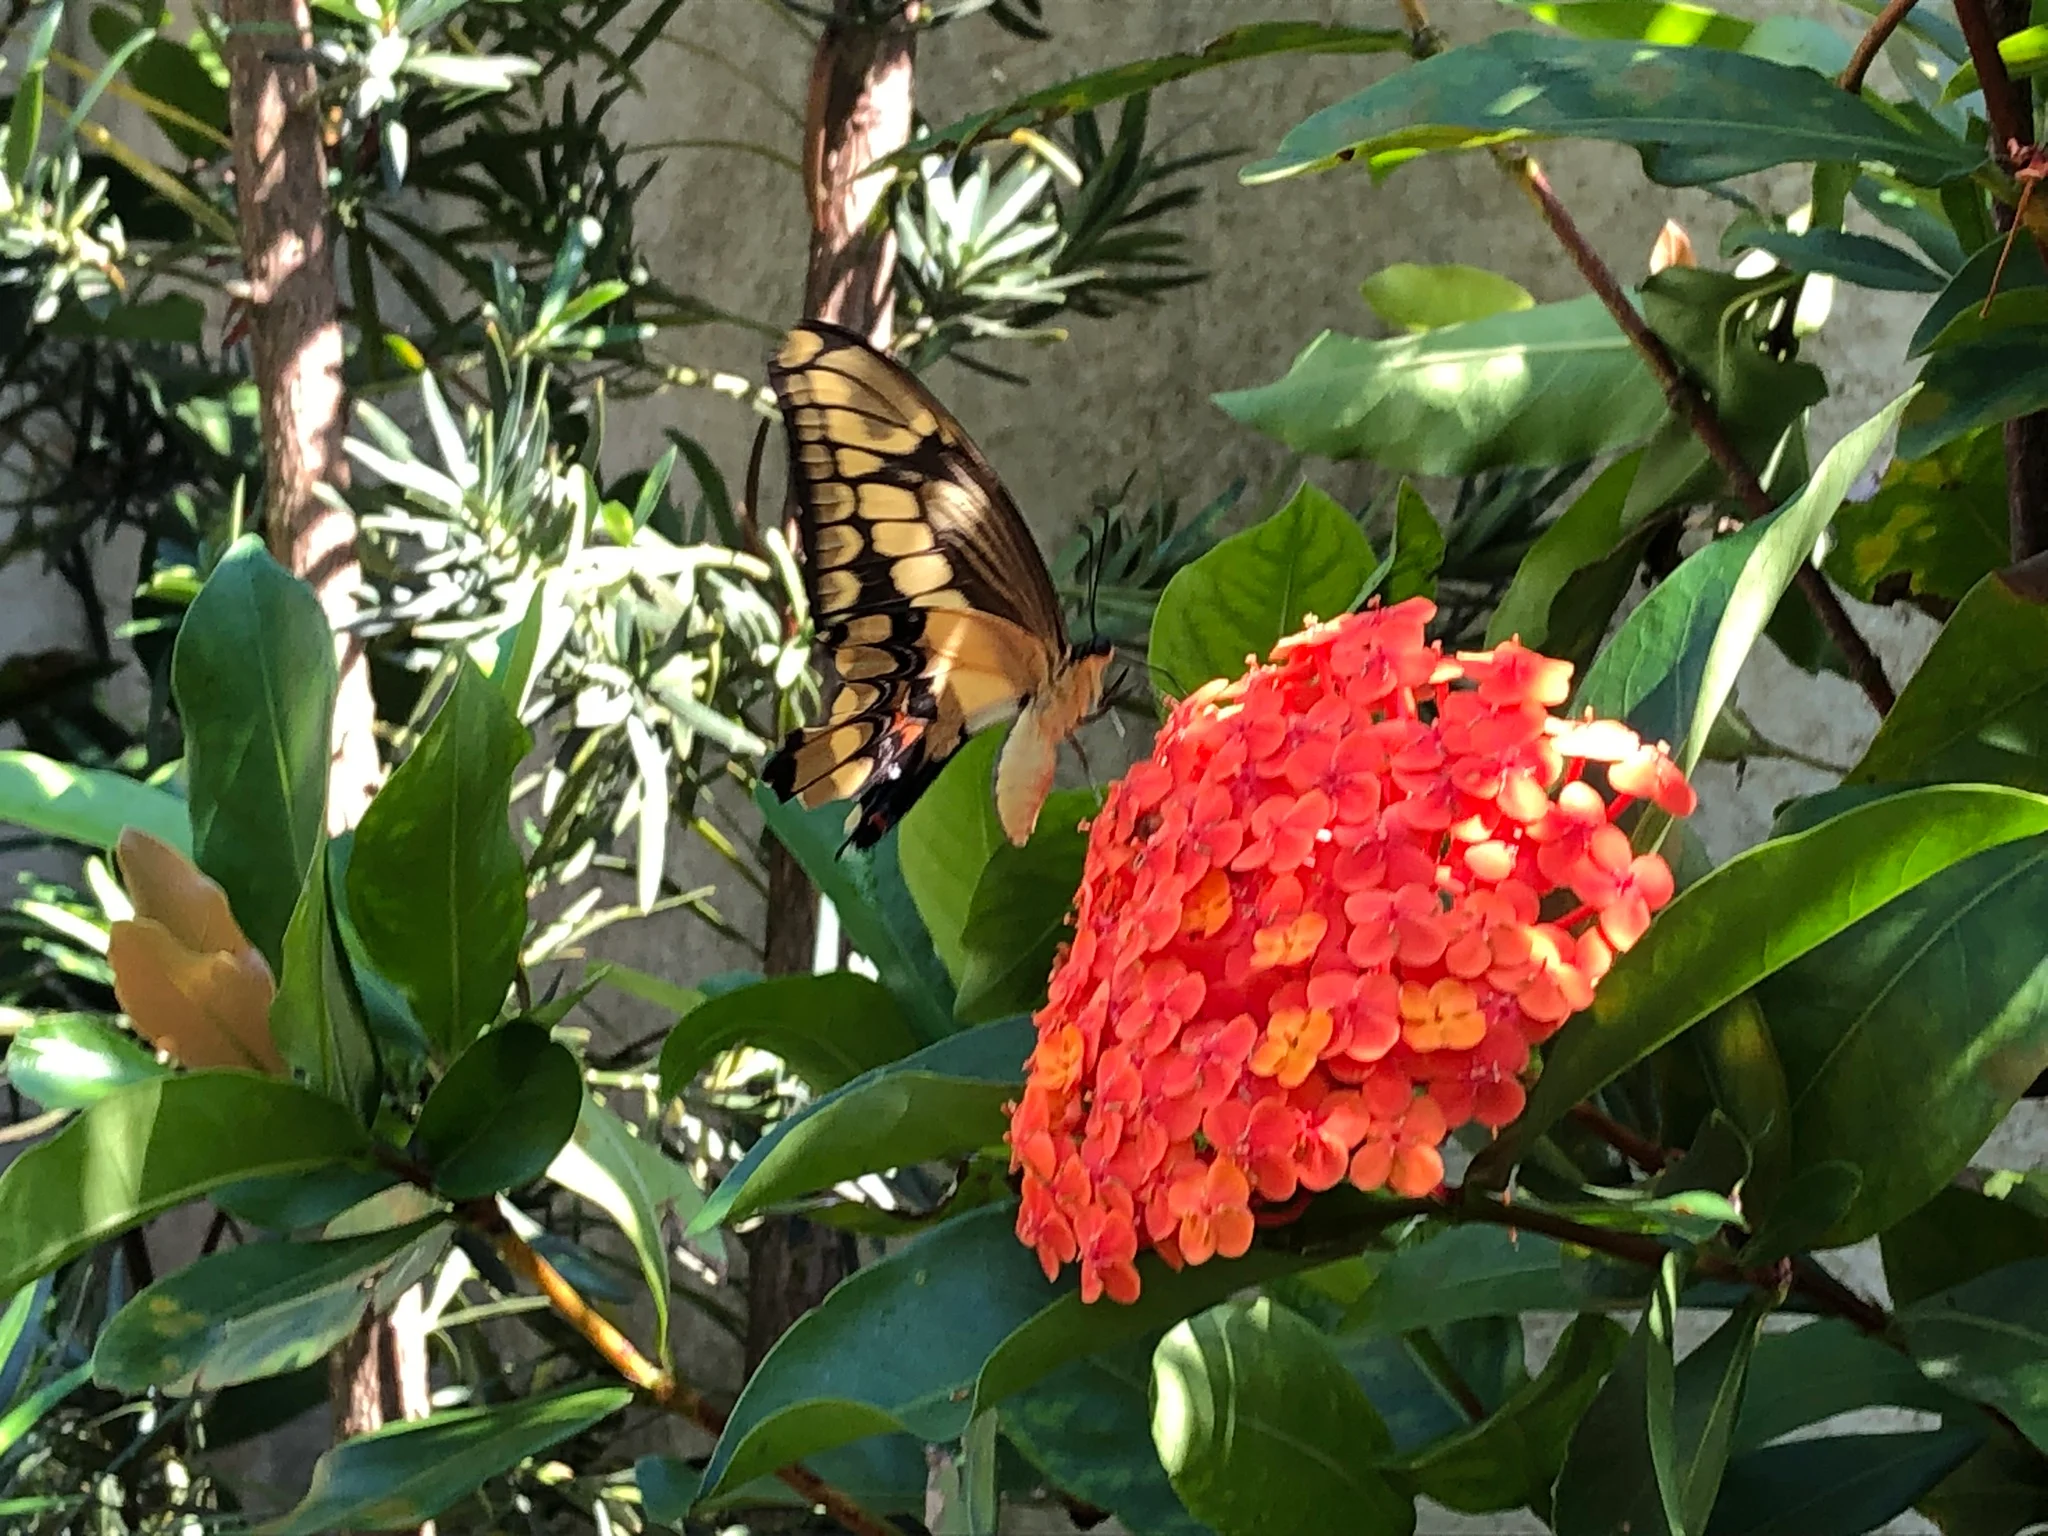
(1633, 1145)
(1867, 47)
(659, 1385)
(2012, 133)
(1692, 407)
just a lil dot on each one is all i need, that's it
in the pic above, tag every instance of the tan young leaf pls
(184, 971)
(1673, 248)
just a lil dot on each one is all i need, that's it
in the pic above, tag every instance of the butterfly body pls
(930, 600)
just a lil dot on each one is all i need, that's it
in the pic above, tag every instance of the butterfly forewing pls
(929, 597)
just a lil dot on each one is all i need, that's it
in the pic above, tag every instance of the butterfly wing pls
(930, 599)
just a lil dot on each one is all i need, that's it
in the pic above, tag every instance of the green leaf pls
(1054, 102)
(2001, 1490)
(1414, 556)
(1945, 987)
(1674, 662)
(404, 1474)
(1711, 1382)
(1957, 313)
(630, 1179)
(153, 1145)
(1812, 1203)
(1844, 1485)
(1020, 913)
(2025, 54)
(1418, 298)
(25, 121)
(1670, 22)
(505, 1108)
(1860, 259)
(1088, 1427)
(1256, 586)
(170, 76)
(875, 909)
(894, 1347)
(1574, 577)
(435, 882)
(1623, 1469)
(253, 673)
(1935, 528)
(87, 805)
(70, 1060)
(1512, 1457)
(1466, 1272)
(292, 1202)
(1262, 1430)
(258, 1310)
(1696, 114)
(1551, 385)
(1974, 384)
(945, 1100)
(884, 1474)
(829, 1028)
(1988, 1339)
(1957, 1236)
(945, 840)
(1977, 709)
(1822, 1369)
(317, 1018)
(1755, 915)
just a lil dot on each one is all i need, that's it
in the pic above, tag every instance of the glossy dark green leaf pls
(317, 1018)
(1973, 384)
(1708, 1393)
(1755, 915)
(253, 673)
(1745, 1081)
(1814, 1201)
(1421, 298)
(1020, 913)
(1512, 1457)
(1674, 662)
(1259, 40)
(1551, 385)
(894, 1347)
(875, 909)
(70, 1060)
(1572, 580)
(90, 806)
(153, 1145)
(829, 1028)
(407, 1473)
(1977, 710)
(1988, 1340)
(1935, 528)
(1860, 259)
(165, 72)
(1843, 1485)
(502, 1112)
(293, 1202)
(1236, 601)
(402, 1045)
(1945, 987)
(1470, 1271)
(631, 1180)
(261, 1309)
(1624, 1468)
(1415, 554)
(1957, 1236)
(2001, 1490)
(1262, 1431)
(436, 886)
(884, 1474)
(1822, 1369)
(1088, 1428)
(1698, 114)
(1693, 25)
(1964, 296)
(945, 1100)
(944, 842)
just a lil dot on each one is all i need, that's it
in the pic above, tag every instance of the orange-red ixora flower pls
(1318, 930)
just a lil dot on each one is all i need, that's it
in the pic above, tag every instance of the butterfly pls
(932, 605)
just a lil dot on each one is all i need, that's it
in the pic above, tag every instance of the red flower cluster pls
(1319, 929)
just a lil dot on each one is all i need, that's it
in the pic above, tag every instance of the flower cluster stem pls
(659, 1385)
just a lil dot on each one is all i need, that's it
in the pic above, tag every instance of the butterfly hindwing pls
(930, 600)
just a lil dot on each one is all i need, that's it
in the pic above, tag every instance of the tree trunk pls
(858, 112)
(295, 342)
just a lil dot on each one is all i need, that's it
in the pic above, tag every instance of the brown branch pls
(660, 1386)
(1692, 407)
(2011, 123)
(1633, 1145)
(1879, 33)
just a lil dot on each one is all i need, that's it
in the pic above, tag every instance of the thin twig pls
(1633, 1145)
(659, 1385)
(1692, 407)
(1887, 22)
